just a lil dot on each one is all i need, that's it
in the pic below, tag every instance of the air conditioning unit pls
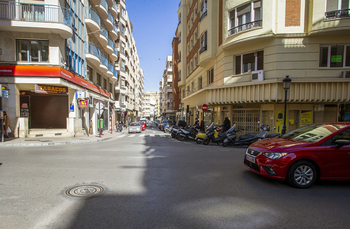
(258, 75)
(81, 94)
(346, 74)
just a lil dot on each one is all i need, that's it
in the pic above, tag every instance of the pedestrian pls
(90, 126)
(7, 129)
(120, 126)
(227, 124)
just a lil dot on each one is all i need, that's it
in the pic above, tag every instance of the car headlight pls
(272, 155)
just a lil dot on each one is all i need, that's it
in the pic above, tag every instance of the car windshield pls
(135, 124)
(312, 133)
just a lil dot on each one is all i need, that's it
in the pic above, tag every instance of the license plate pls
(250, 158)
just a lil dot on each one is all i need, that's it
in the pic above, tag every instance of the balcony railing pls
(94, 50)
(115, 28)
(110, 16)
(115, 72)
(104, 60)
(110, 43)
(337, 14)
(249, 25)
(115, 6)
(110, 67)
(104, 31)
(104, 3)
(36, 13)
(92, 14)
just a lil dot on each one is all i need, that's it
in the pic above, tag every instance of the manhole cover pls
(84, 191)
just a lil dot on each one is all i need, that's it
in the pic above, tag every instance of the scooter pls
(189, 133)
(213, 136)
(200, 136)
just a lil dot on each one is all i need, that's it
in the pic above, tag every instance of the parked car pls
(144, 120)
(316, 151)
(134, 127)
(143, 125)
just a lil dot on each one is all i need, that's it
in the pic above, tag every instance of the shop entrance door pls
(294, 120)
(247, 120)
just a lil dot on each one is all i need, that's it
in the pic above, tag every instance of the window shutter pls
(257, 4)
(232, 14)
(332, 5)
(243, 10)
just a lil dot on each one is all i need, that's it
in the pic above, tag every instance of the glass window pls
(211, 76)
(32, 50)
(251, 62)
(334, 56)
(199, 83)
(89, 73)
(98, 79)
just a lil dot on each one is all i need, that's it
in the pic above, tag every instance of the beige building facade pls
(246, 48)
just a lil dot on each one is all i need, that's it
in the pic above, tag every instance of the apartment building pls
(167, 91)
(59, 61)
(234, 55)
(149, 108)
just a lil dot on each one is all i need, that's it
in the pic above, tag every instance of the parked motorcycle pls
(246, 139)
(213, 136)
(188, 133)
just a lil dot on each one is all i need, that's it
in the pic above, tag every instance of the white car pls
(134, 127)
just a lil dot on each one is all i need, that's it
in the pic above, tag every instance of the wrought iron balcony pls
(344, 13)
(246, 26)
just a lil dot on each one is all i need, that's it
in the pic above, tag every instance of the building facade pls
(60, 64)
(235, 55)
(166, 89)
(150, 101)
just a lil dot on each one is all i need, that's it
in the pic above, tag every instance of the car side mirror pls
(340, 143)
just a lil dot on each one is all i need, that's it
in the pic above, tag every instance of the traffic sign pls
(99, 106)
(204, 107)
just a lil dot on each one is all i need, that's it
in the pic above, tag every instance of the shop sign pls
(305, 118)
(84, 103)
(54, 90)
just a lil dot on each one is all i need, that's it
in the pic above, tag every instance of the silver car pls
(134, 128)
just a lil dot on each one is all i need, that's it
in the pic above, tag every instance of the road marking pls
(163, 136)
(152, 135)
(154, 132)
(133, 135)
(142, 135)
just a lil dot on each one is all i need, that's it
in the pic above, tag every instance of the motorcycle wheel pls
(206, 141)
(199, 141)
(181, 138)
(224, 144)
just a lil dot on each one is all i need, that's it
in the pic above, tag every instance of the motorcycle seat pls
(222, 134)
(245, 137)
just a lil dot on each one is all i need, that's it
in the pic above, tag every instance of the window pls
(98, 79)
(179, 79)
(195, 36)
(203, 9)
(245, 17)
(191, 65)
(89, 73)
(105, 84)
(337, 9)
(249, 62)
(211, 76)
(183, 94)
(203, 46)
(192, 86)
(334, 56)
(188, 69)
(188, 90)
(179, 57)
(32, 50)
(195, 61)
(199, 83)
(179, 18)
(179, 37)
(110, 87)
(122, 65)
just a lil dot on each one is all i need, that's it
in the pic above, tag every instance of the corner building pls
(234, 55)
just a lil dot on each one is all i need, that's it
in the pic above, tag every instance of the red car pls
(316, 151)
(143, 125)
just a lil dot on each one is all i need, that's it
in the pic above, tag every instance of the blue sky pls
(155, 23)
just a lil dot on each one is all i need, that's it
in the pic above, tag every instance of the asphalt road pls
(152, 181)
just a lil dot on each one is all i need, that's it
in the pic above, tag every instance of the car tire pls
(302, 174)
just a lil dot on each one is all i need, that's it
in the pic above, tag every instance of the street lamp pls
(286, 85)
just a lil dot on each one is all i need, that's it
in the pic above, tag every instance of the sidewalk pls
(39, 141)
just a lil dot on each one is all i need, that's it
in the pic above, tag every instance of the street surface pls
(150, 180)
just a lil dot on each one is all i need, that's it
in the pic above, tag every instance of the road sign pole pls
(99, 118)
(1, 118)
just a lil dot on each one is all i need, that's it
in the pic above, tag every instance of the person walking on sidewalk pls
(120, 127)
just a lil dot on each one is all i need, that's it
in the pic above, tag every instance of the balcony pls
(114, 33)
(92, 20)
(43, 18)
(93, 54)
(108, 22)
(246, 26)
(104, 63)
(114, 9)
(102, 37)
(102, 9)
(110, 71)
(344, 13)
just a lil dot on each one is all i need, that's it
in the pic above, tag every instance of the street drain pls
(83, 191)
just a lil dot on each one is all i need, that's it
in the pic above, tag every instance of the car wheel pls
(302, 174)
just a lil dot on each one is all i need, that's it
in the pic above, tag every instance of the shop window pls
(249, 62)
(32, 50)
(334, 56)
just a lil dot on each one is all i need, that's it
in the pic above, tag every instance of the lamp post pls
(286, 85)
